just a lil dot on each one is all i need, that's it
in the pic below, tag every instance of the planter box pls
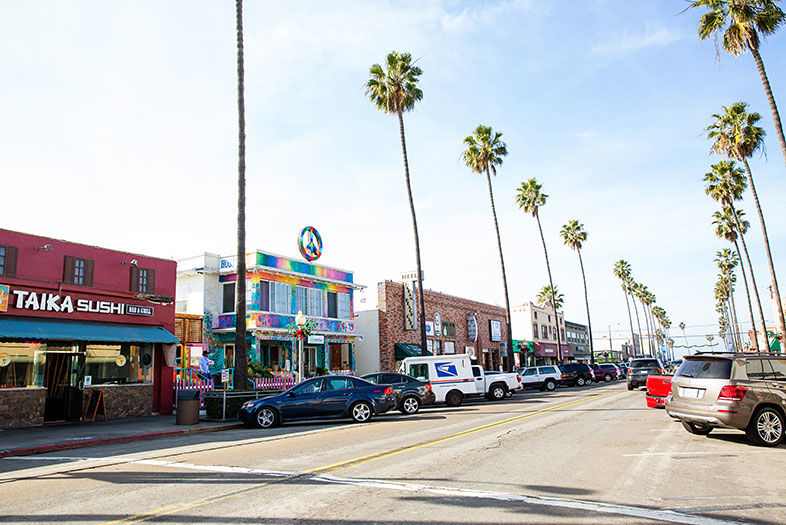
(214, 402)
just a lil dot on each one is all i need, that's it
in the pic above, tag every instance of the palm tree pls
(743, 23)
(530, 199)
(548, 297)
(682, 327)
(736, 135)
(622, 272)
(240, 381)
(574, 235)
(647, 300)
(396, 91)
(727, 261)
(631, 284)
(485, 151)
(726, 228)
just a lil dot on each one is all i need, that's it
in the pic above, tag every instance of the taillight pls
(389, 390)
(732, 393)
(428, 385)
(660, 371)
(518, 377)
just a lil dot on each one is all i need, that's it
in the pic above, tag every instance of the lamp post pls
(300, 321)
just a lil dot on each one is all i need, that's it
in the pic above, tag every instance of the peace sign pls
(310, 243)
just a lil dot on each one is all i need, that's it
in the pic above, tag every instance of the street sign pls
(225, 375)
(412, 276)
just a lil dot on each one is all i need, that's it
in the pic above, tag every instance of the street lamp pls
(300, 321)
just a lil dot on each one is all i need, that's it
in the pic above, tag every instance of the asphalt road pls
(594, 455)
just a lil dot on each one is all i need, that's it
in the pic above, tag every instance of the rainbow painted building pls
(277, 288)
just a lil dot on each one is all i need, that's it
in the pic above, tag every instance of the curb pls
(40, 449)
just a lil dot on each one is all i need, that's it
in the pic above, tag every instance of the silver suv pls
(742, 391)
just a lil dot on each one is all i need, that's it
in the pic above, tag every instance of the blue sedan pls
(320, 397)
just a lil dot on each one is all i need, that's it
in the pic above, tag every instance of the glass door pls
(63, 375)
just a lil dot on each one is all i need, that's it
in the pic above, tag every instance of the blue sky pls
(119, 130)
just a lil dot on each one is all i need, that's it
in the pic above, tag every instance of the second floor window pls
(8, 261)
(143, 280)
(228, 298)
(316, 303)
(535, 330)
(280, 298)
(78, 271)
(301, 299)
(544, 332)
(343, 306)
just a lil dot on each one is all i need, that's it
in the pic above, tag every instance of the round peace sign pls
(310, 243)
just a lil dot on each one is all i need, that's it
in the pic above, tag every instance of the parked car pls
(329, 396)
(623, 367)
(640, 368)
(576, 374)
(542, 377)
(495, 385)
(742, 391)
(658, 390)
(411, 393)
(609, 372)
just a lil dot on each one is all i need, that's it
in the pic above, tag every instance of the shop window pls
(228, 298)
(143, 280)
(343, 306)
(119, 364)
(301, 299)
(316, 306)
(8, 261)
(332, 304)
(22, 364)
(280, 298)
(78, 271)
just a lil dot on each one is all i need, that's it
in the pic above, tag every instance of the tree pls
(631, 284)
(622, 272)
(727, 261)
(736, 135)
(742, 24)
(682, 328)
(574, 235)
(394, 91)
(485, 151)
(529, 199)
(240, 379)
(550, 297)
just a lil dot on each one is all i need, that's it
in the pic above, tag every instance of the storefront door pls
(63, 376)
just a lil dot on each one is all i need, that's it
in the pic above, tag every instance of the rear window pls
(705, 368)
(548, 370)
(644, 363)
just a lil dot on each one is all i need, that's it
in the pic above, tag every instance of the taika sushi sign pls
(22, 299)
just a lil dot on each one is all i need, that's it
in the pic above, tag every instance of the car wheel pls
(453, 399)
(580, 381)
(360, 412)
(694, 428)
(497, 392)
(766, 427)
(607, 378)
(550, 385)
(410, 405)
(266, 417)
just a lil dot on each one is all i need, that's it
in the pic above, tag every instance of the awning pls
(404, 350)
(57, 330)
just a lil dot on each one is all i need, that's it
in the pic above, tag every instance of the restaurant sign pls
(55, 302)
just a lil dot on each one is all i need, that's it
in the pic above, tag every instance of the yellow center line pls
(349, 463)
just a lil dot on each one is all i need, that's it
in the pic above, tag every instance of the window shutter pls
(264, 296)
(68, 270)
(134, 279)
(151, 281)
(89, 272)
(10, 262)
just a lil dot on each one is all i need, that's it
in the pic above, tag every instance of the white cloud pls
(626, 43)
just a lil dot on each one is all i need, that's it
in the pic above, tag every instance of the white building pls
(532, 323)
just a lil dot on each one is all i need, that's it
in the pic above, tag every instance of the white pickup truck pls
(495, 385)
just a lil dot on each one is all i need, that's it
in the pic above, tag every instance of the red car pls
(658, 389)
(604, 372)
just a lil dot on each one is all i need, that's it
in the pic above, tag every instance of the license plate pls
(691, 393)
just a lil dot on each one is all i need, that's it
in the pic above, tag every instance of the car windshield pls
(705, 368)
(644, 363)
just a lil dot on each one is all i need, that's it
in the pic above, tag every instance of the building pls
(617, 348)
(77, 319)
(277, 288)
(577, 336)
(535, 329)
(454, 325)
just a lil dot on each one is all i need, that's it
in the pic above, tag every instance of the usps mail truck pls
(450, 376)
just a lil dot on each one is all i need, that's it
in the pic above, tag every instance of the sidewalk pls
(49, 438)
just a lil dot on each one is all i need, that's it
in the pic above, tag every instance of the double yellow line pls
(351, 462)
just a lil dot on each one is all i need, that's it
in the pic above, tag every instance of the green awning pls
(404, 350)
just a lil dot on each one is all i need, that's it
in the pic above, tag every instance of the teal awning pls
(58, 330)
(404, 350)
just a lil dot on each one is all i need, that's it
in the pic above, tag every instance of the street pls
(594, 455)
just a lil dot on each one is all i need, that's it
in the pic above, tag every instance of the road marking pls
(675, 454)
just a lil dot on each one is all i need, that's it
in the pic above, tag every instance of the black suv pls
(410, 393)
(576, 374)
(640, 368)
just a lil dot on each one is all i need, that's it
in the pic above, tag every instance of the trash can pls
(187, 407)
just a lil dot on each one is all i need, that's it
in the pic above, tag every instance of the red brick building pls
(454, 325)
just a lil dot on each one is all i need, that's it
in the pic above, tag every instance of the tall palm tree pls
(395, 91)
(622, 272)
(682, 327)
(240, 381)
(574, 235)
(631, 284)
(529, 199)
(547, 296)
(485, 151)
(742, 24)
(736, 135)
(727, 261)
(726, 228)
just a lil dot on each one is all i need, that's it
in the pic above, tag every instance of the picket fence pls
(278, 382)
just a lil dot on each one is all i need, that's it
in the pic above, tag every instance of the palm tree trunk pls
(651, 323)
(586, 303)
(771, 99)
(551, 284)
(753, 277)
(240, 381)
(647, 325)
(781, 328)
(509, 341)
(687, 346)
(638, 322)
(748, 294)
(736, 319)
(630, 321)
(422, 323)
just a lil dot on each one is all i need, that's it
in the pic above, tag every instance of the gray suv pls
(640, 368)
(742, 391)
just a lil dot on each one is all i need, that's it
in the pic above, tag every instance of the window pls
(531, 372)
(78, 271)
(476, 371)
(143, 280)
(343, 306)
(534, 329)
(774, 369)
(332, 305)
(26, 366)
(249, 294)
(264, 296)
(119, 364)
(706, 368)
(315, 303)
(373, 378)
(8, 261)
(228, 299)
(390, 379)
(337, 383)
(535, 314)
(280, 298)
(419, 371)
(301, 299)
(229, 356)
(544, 332)
(450, 347)
(309, 387)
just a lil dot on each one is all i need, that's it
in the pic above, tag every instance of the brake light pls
(518, 377)
(428, 385)
(389, 391)
(732, 393)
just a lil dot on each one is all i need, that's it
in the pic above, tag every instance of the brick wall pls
(22, 407)
(123, 400)
(390, 296)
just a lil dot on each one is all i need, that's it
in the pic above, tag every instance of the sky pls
(118, 128)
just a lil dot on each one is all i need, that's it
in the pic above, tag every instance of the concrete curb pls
(40, 449)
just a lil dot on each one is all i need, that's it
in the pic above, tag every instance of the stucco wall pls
(367, 350)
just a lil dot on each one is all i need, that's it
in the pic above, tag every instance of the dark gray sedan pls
(410, 393)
